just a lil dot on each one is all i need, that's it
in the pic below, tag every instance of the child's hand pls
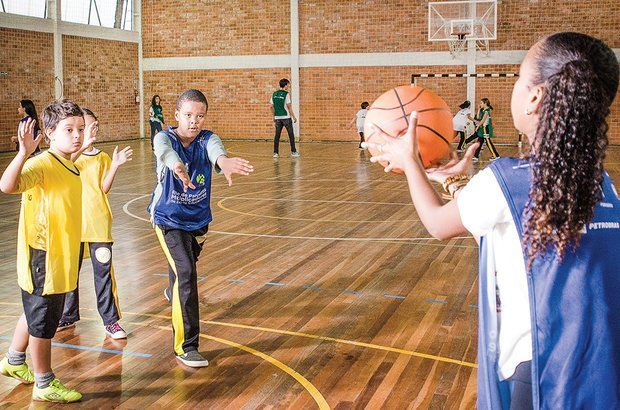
(122, 156)
(453, 167)
(90, 135)
(401, 152)
(25, 135)
(13, 139)
(180, 171)
(234, 166)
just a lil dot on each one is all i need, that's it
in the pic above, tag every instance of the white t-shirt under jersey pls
(485, 212)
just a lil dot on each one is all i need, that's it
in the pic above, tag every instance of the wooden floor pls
(318, 285)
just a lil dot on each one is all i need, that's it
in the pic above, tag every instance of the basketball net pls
(458, 45)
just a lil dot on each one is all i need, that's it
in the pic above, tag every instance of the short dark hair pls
(58, 111)
(284, 82)
(192, 95)
(465, 104)
(365, 105)
(89, 112)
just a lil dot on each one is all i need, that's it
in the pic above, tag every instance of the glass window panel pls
(34, 8)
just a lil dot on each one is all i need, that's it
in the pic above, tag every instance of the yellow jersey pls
(96, 212)
(51, 203)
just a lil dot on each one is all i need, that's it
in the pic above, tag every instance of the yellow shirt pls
(51, 201)
(96, 212)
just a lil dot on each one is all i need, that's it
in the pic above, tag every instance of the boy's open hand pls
(122, 156)
(234, 166)
(90, 135)
(180, 171)
(25, 135)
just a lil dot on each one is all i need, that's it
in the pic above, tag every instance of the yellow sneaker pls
(19, 372)
(56, 392)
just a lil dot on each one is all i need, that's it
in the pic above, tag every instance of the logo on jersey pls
(200, 179)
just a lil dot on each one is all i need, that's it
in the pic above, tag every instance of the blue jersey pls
(170, 206)
(574, 307)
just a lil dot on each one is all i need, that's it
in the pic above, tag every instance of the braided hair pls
(580, 78)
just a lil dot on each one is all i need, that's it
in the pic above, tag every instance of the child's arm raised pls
(11, 177)
(118, 159)
(441, 221)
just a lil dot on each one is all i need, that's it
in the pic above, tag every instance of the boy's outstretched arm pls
(224, 165)
(118, 159)
(10, 182)
(169, 157)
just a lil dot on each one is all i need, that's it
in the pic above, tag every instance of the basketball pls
(391, 111)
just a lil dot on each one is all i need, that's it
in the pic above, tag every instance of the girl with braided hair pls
(548, 226)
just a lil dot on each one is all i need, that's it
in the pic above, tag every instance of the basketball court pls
(319, 287)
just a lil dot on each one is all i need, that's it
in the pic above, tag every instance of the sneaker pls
(65, 325)
(275, 155)
(493, 159)
(295, 154)
(115, 331)
(193, 359)
(475, 159)
(168, 295)
(19, 372)
(56, 392)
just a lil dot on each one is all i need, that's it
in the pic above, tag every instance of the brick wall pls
(102, 75)
(238, 99)
(28, 59)
(331, 96)
(174, 28)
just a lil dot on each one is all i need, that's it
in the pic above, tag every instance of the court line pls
(309, 387)
(321, 238)
(306, 335)
(87, 348)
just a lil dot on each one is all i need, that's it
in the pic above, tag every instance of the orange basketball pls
(391, 112)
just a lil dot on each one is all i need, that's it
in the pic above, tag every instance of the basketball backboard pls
(471, 19)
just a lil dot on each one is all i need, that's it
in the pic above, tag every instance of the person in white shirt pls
(358, 120)
(461, 122)
(548, 228)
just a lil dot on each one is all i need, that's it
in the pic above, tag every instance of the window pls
(33, 8)
(105, 13)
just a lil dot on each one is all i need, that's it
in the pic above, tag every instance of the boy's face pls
(68, 135)
(191, 117)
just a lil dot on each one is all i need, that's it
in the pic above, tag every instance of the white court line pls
(322, 238)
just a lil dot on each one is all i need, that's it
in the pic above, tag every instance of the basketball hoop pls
(457, 43)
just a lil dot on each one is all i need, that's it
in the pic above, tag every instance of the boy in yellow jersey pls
(48, 242)
(97, 171)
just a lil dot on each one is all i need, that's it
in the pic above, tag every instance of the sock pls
(43, 380)
(16, 358)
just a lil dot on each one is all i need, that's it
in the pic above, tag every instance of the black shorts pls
(43, 312)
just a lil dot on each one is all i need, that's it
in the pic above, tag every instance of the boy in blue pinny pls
(181, 212)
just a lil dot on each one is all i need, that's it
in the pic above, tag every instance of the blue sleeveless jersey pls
(191, 210)
(574, 306)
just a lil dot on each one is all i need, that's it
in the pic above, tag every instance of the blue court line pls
(431, 300)
(311, 287)
(399, 297)
(274, 284)
(352, 292)
(473, 306)
(235, 280)
(94, 349)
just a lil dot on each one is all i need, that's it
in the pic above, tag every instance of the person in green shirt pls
(156, 116)
(484, 130)
(283, 116)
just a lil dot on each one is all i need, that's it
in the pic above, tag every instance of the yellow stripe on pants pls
(177, 315)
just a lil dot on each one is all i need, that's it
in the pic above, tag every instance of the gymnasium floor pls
(318, 285)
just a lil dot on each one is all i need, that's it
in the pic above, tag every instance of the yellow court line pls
(311, 336)
(310, 388)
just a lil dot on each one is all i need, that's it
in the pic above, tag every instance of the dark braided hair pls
(580, 78)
